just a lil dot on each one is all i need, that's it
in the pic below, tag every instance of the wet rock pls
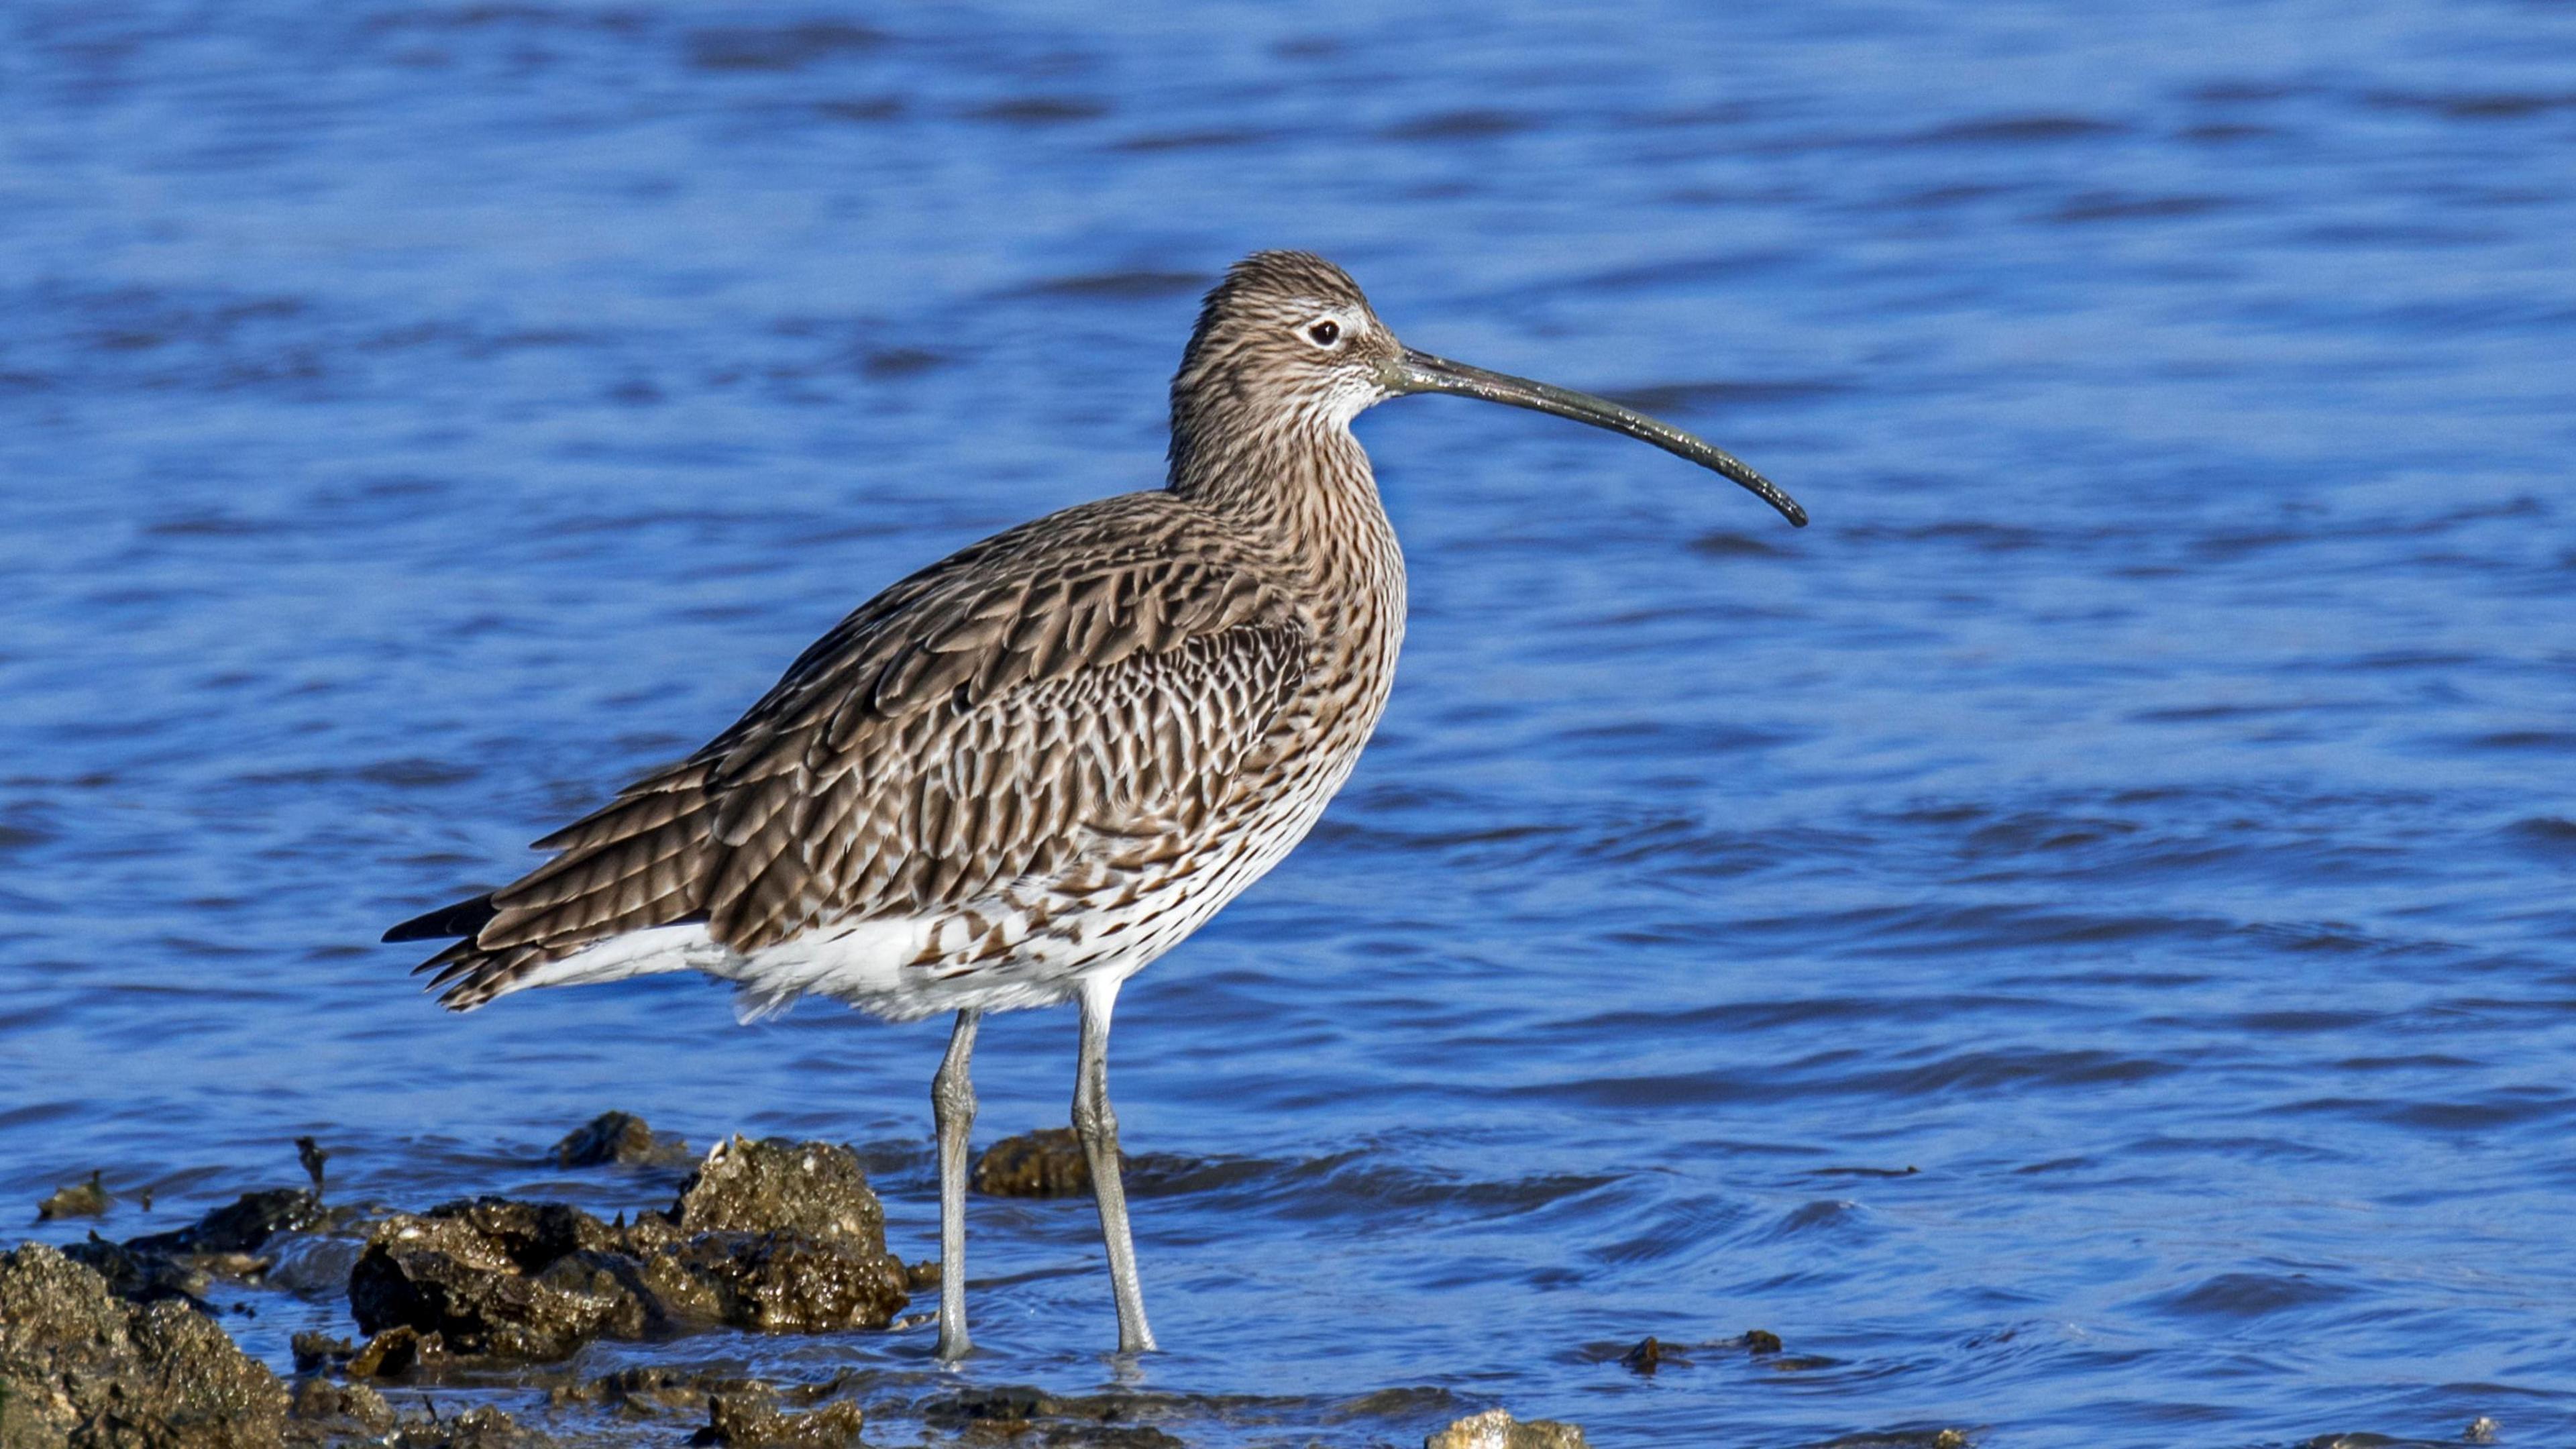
(923, 1276)
(1760, 1340)
(396, 1352)
(1022, 1415)
(143, 1278)
(74, 1357)
(777, 1236)
(646, 1390)
(224, 1244)
(756, 1419)
(1648, 1356)
(320, 1350)
(1045, 1163)
(482, 1276)
(478, 1428)
(783, 1283)
(78, 1200)
(617, 1137)
(774, 1185)
(1405, 1403)
(1008, 1404)
(242, 1226)
(324, 1410)
(2481, 1430)
(746, 1409)
(1496, 1429)
(1079, 1425)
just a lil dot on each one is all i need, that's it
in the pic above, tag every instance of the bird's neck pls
(1305, 488)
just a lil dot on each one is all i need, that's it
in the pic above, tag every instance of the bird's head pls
(1286, 336)
(1287, 344)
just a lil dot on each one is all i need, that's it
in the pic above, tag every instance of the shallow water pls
(2140, 803)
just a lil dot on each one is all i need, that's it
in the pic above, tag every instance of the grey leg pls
(1097, 1125)
(952, 1104)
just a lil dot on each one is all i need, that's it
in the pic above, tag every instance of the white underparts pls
(906, 968)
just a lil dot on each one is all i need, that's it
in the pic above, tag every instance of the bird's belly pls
(1034, 945)
(1036, 942)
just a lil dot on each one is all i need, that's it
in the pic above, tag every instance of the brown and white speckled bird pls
(1025, 772)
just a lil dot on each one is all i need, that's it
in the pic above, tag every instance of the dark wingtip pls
(462, 918)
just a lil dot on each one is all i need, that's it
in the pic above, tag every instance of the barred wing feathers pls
(1104, 674)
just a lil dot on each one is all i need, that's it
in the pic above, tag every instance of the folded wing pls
(985, 722)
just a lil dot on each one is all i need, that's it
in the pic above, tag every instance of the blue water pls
(2142, 801)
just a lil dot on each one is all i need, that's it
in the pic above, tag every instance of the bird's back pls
(1057, 750)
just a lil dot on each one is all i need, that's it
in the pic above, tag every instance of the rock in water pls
(774, 1235)
(342, 1411)
(184, 1263)
(1045, 1163)
(79, 1200)
(241, 1227)
(74, 1357)
(481, 1276)
(620, 1137)
(1496, 1429)
(754, 1419)
(774, 1185)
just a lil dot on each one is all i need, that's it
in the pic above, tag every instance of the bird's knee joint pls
(1094, 1122)
(954, 1096)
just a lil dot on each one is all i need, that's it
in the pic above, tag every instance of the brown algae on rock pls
(620, 1138)
(771, 1235)
(774, 1185)
(756, 1417)
(1016, 1413)
(1497, 1429)
(1045, 1163)
(73, 1356)
(224, 1244)
(345, 1410)
(76, 1200)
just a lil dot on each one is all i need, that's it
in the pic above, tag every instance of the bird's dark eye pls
(1325, 333)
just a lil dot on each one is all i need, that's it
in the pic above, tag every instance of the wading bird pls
(1023, 773)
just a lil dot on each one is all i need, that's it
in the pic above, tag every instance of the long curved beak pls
(1419, 371)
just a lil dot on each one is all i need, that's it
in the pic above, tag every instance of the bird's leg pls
(952, 1105)
(1097, 1125)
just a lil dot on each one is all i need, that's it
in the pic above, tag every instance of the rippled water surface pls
(2076, 942)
